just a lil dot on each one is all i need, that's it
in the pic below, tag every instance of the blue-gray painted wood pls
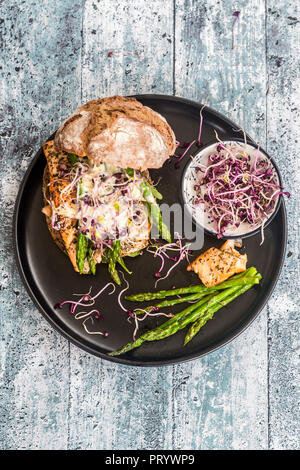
(283, 98)
(54, 56)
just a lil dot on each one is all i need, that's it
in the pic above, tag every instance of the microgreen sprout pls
(161, 252)
(236, 188)
(86, 300)
(236, 14)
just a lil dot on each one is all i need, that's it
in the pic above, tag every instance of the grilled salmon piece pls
(55, 159)
(216, 265)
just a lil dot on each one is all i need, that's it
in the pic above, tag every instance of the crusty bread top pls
(120, 131)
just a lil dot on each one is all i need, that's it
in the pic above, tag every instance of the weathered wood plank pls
(115, 407)
(54, 55)
(39, 81)
(127, 48)
(226, 391)
(283, 123)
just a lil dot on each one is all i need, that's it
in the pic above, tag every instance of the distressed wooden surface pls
(54, 57)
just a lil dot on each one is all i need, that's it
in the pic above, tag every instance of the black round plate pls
(49, 277)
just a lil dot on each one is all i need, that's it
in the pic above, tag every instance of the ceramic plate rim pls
(116, 359)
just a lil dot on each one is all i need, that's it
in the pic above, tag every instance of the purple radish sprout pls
(233, 190)
(184, 153)
(200, 128)
(237, 15)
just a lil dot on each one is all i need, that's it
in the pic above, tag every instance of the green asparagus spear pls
(91, 260)
(156, 218)
(204, 308)
(186, 298)
(171, 302)
(121, 262)
(81, 251)
(160, 329)
(154, 212)
(165, 233)
(178, 322)
(238, 279)
(113, 254)
(194, 329)
(146, 184)
(154, 191)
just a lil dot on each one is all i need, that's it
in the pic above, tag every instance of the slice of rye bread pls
(120, 131)
(66, 238)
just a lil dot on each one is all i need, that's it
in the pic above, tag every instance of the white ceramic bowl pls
(198, 211)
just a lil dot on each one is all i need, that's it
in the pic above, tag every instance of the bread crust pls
(117, 130)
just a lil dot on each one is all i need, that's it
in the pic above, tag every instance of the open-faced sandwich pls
(99, 200)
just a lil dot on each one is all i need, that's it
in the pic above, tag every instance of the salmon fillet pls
(54, 159)
(216, 265)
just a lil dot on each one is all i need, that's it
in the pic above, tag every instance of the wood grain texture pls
(54, 56)
(39, 79)
(123, 406)
(234, 407)
(283, 98)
